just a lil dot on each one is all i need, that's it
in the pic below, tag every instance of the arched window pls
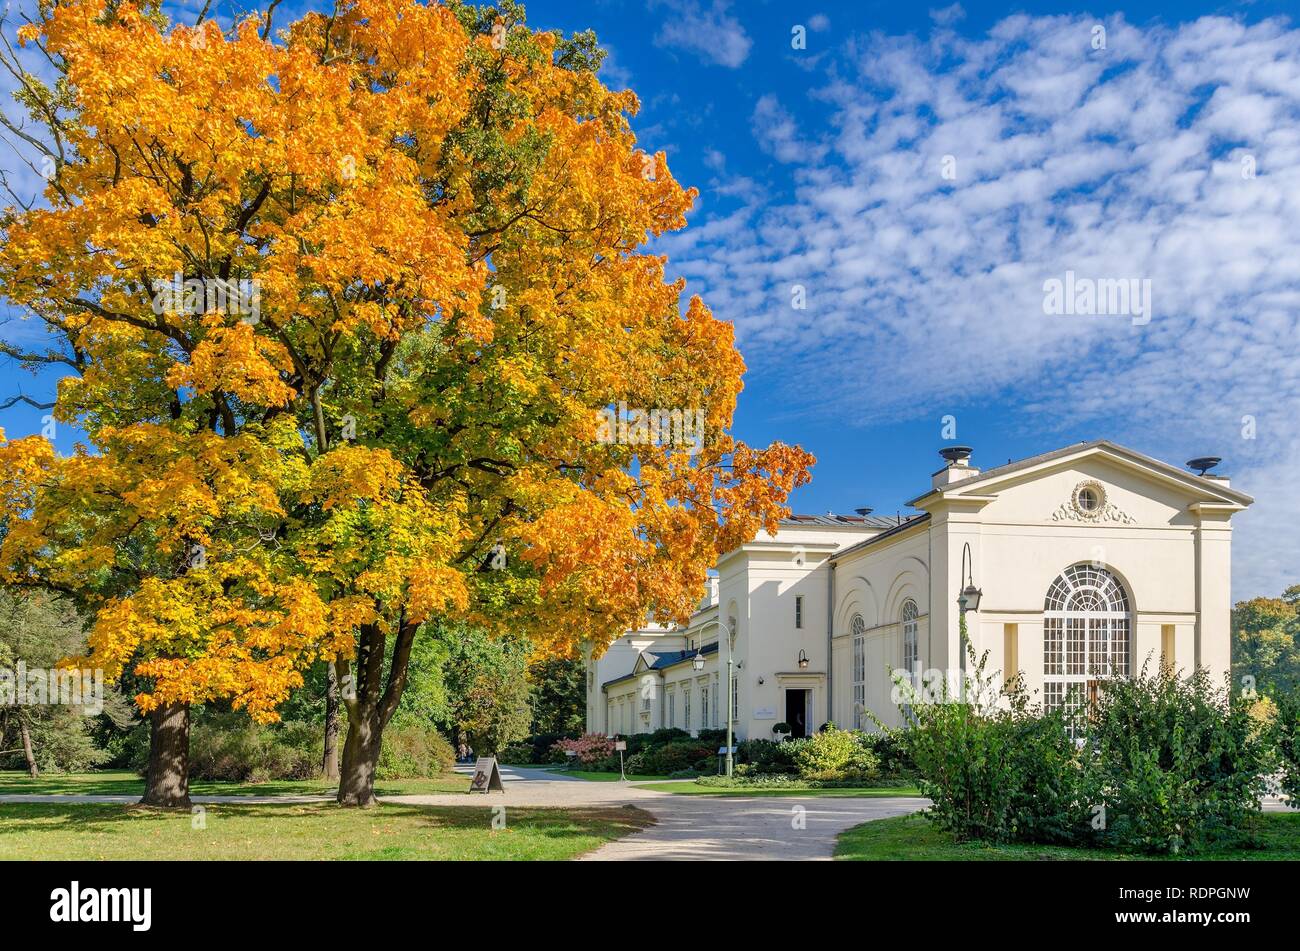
(911, 650)
(1087, 623)
(859, 629)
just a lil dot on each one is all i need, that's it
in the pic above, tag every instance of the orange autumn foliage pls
(446, 233)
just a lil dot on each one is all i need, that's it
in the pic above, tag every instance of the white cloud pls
(925, 294)
(705, 29)
(778, 133)
(819, 23)
(948, 15)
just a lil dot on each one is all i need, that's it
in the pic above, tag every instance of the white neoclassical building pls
(1092, 560)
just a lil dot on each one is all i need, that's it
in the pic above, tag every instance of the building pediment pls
(1101, 480)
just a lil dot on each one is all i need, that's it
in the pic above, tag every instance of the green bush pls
(834, 754)
(414, 751)
(671, 757)
(1178, 760)
(1284, 739)
(997, 773)
(891, 753)
(766, 756)
(517, 754)
(231, 747)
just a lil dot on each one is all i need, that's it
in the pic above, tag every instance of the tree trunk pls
(360, 757)
(330, 761)
(27, 747)
(370, 708)
(167, 782)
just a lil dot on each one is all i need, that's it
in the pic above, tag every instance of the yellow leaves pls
(237, 360)
(435, 590)
(349, 474)
(24, 465)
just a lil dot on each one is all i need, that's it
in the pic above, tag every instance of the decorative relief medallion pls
(1089, 503)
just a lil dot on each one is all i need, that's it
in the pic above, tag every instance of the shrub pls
(683, 774)
(231, 747)
(1178, 760)
(766, 756)
(672, 757)
(891, 752)
(834, 754)
(997, 774)
(516, 754)
(592, 749)
(1284, 738)
(414, 751)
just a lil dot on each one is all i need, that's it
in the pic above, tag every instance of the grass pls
(126, 783)
(310, 831)
(596, 776)
(692, 789)
(914, 838)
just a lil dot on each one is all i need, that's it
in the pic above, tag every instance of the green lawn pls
(691, 789)
(600, 777)
(125, 783)
(914, 838)
(312, 831)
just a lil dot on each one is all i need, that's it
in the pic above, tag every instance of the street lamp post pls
(968, 599)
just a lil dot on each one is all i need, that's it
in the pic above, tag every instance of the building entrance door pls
(796, 712)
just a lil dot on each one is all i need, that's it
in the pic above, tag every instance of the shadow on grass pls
(306, 830)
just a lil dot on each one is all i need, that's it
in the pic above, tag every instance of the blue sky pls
(1172, 155)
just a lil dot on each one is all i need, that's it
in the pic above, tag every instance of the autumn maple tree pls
(431, 221)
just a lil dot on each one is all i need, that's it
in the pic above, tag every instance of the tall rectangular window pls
(798, 611)
(672, 708)
(705, 722)
(735, 698)
(859, 680)
(1168, 658)
(686, 707)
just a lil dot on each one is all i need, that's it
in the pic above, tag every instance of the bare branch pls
(25, 399)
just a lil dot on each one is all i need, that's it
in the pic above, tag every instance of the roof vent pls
(956, 455)
(864, 512)
(1203, 464)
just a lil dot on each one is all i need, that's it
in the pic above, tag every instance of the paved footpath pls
(694, 826)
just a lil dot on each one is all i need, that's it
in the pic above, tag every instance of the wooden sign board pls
(620, 745)
(487, 775)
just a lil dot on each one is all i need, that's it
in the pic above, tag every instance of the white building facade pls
(1092, 560)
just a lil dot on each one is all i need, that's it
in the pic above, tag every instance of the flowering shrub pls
(592, 748)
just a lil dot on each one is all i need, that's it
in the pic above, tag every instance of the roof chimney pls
(957, 469)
